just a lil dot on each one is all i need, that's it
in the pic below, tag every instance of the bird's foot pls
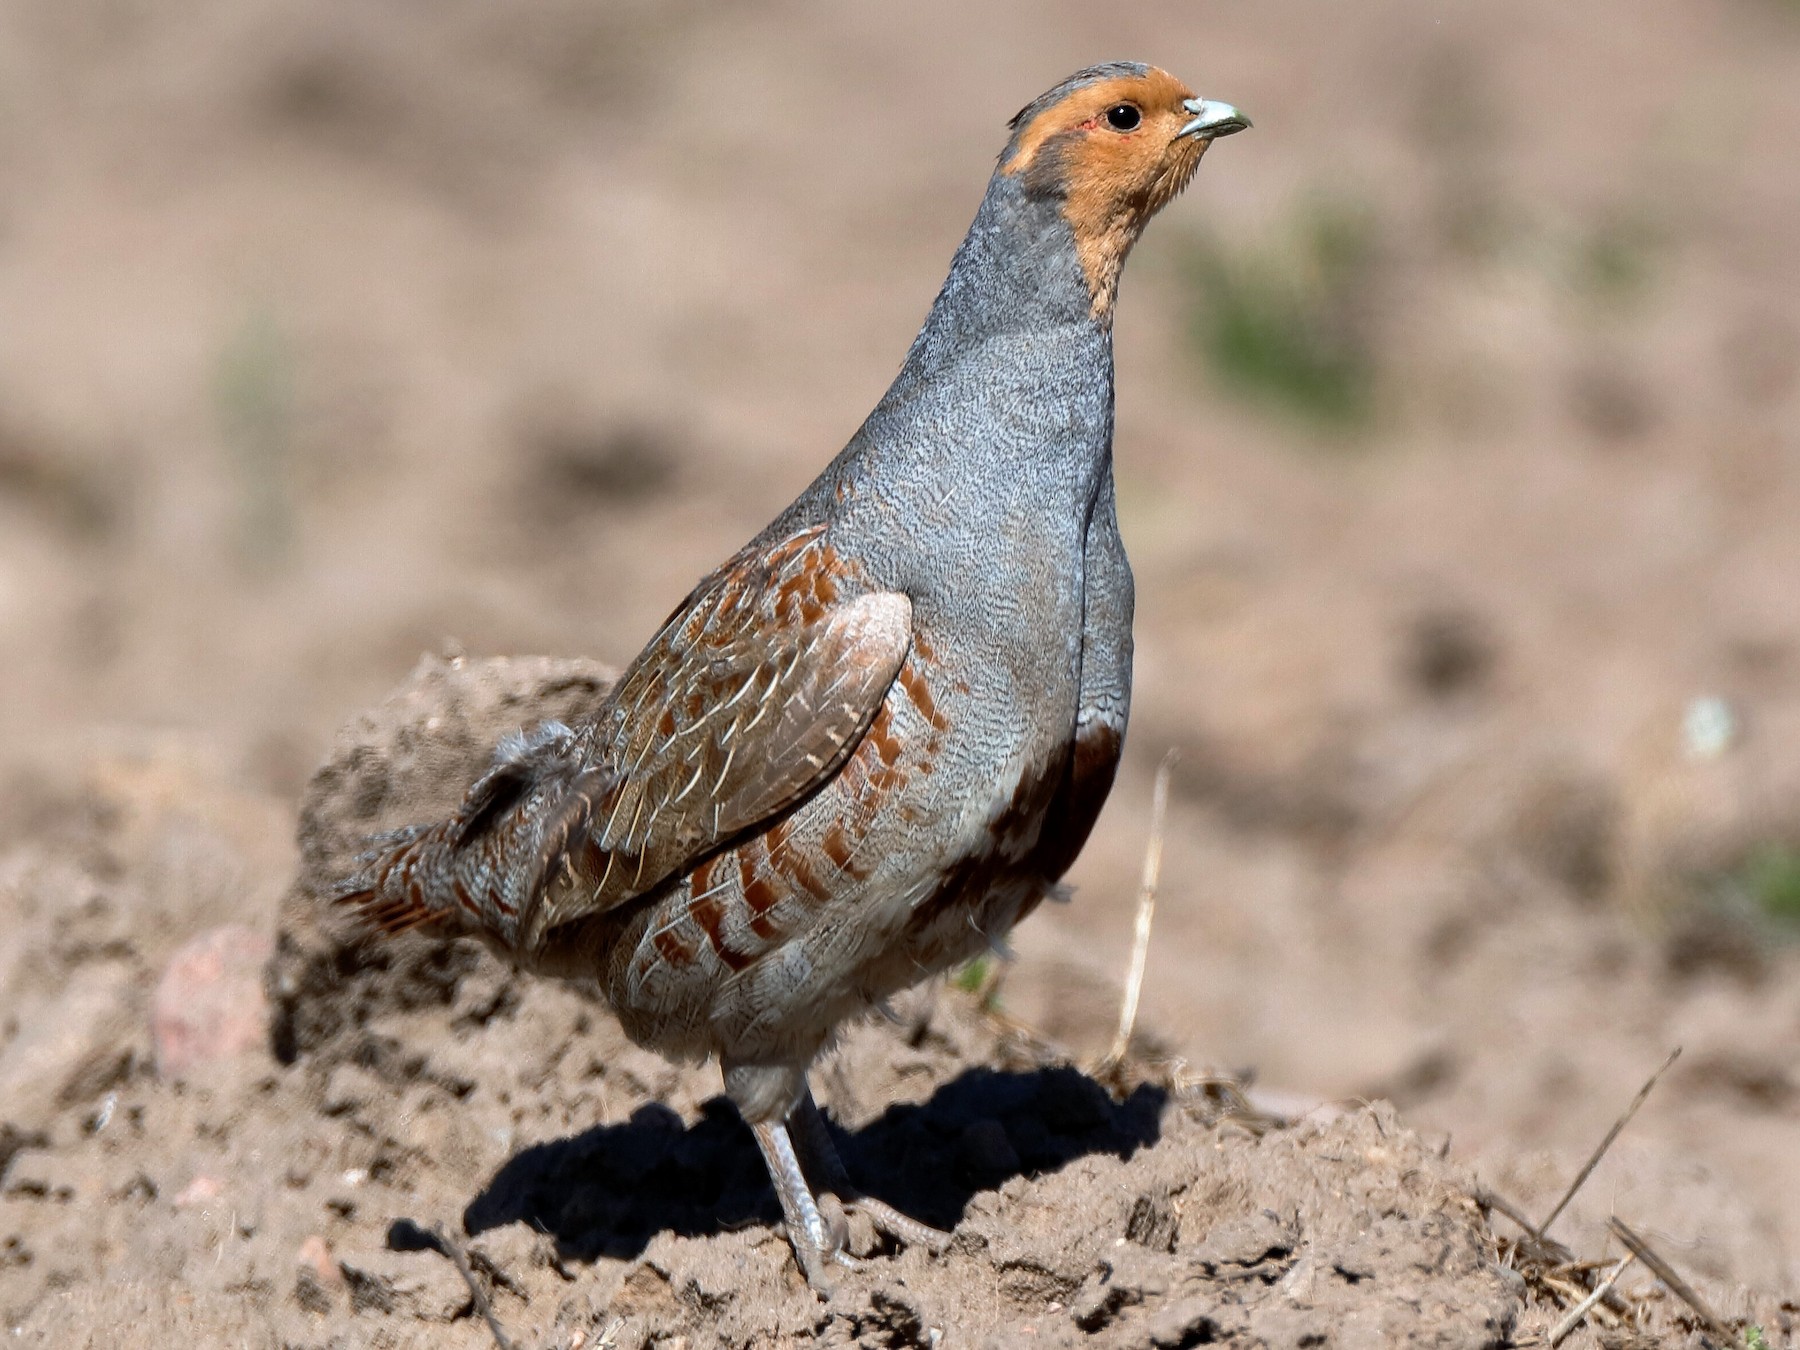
(820, 1158)
(902, 1228)
(816, 1263)
(818, 1222)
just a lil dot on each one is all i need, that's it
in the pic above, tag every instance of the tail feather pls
(485, 869)
(393, 888)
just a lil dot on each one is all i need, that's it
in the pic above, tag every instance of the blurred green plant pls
(1754, 1339)
(253, 395)
(1288, 324)
(971, 976)
(1770, 876)
(1614, 264)
(980, 977)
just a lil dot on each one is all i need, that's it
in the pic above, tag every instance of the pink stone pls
(315, 1255)
(209, 1004)
(202, 1190)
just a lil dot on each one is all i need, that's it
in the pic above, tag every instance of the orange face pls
(1116, 151)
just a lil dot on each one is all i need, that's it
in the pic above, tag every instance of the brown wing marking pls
(754, 693)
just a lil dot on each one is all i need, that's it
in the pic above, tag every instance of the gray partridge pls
(873, 740)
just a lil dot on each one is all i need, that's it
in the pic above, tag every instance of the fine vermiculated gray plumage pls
(873, 740)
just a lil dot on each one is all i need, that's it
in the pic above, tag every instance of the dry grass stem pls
(1551, 1268)
(453, 1249)
(1146, 912)
(1587, 1305)
(1666, 1273)
(1600, 1152)
(1541, 1247)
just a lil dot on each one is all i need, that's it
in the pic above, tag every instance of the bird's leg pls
(816, 1243)
(826, 1169)
(765, 1095)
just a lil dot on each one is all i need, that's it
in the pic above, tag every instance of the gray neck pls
(1016, 272)
(1001, 417)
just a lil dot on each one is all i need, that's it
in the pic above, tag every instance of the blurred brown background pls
(1459, 456)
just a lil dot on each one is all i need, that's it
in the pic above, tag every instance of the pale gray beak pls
(1212, 120)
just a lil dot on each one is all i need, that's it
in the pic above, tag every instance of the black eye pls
(1123, 118)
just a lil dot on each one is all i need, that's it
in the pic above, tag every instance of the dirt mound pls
(296, 1198)
(408, 760)
(413, 1103)
(296, 1210)
(563, 1144)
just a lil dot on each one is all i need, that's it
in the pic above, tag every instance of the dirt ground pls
(337, 334)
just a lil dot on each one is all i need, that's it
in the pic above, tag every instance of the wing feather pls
(753, 694)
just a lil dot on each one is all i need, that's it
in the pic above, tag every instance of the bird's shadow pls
(609, 1190)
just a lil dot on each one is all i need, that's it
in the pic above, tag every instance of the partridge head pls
(1115, 144)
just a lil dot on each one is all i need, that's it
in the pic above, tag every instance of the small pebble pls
(315, 1256)
(202, 1190)
(209, 1005)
